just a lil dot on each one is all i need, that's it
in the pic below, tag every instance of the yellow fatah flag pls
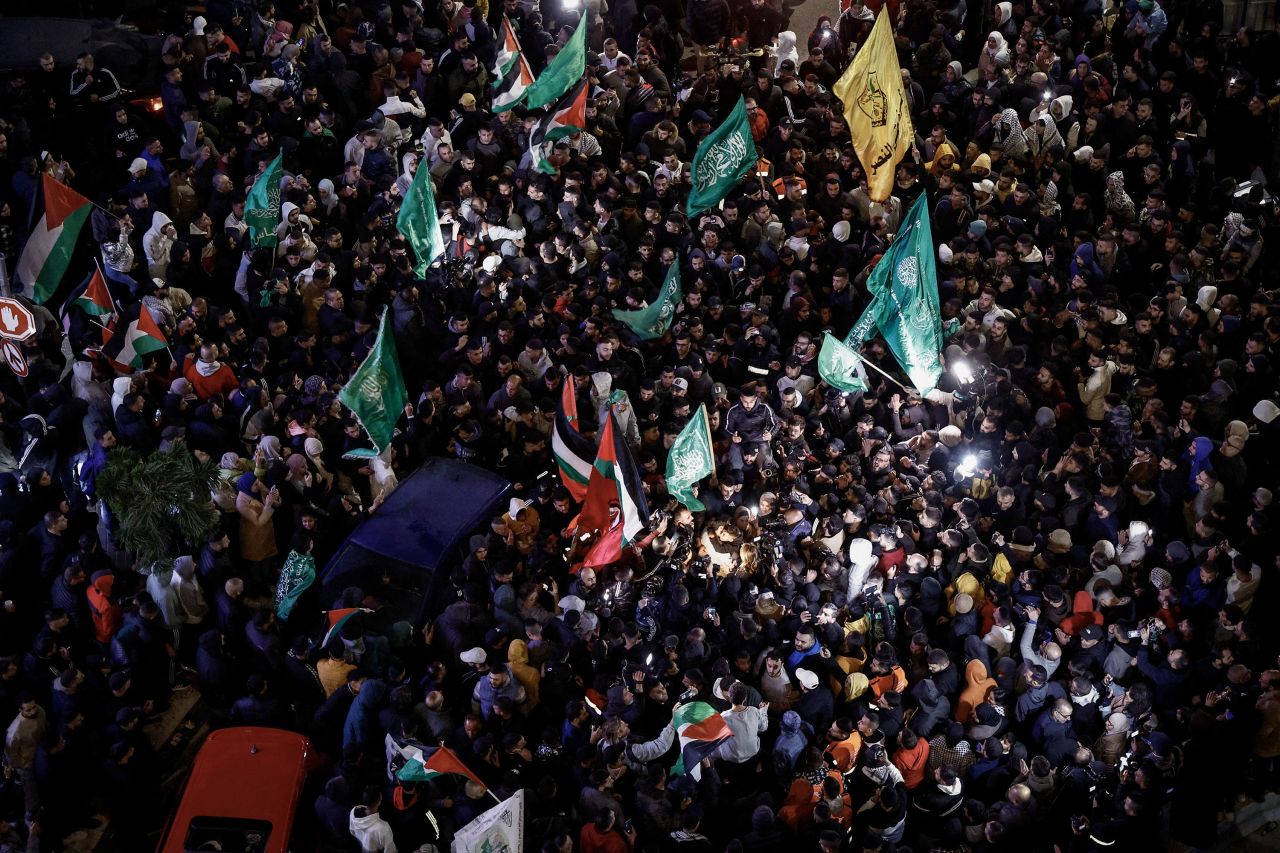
(875, 107)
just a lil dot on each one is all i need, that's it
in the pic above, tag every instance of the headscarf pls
(270, 447)
(119, 387)
(1117, 200)
(1183, 163)
(297, 465)
(244, 485)
(1049, 203)
(1050, 139)
(327, 196)
(1000, 53)
(1008, 132)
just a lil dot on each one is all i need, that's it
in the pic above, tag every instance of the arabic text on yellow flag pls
(875, 107)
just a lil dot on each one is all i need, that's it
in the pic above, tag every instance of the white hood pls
(786, 50)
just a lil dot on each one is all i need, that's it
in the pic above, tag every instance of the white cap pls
(808, 679)
(515, 505)
(138, 165)
(198, 24)
(1266, 411)
(474, 656)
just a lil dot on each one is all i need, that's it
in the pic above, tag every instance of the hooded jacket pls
(793, 737)
(157, 244)
(932, 708)
(525, 674)
(373, 833)
(107, 615)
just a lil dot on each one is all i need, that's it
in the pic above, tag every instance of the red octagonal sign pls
(16, 320)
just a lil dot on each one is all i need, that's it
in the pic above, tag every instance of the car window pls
(227, 835)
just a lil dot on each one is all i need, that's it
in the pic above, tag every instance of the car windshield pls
(227, 834)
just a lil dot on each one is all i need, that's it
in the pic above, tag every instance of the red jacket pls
(592, 840)
(221, 381)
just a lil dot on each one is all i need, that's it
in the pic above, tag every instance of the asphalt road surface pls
(805, 16)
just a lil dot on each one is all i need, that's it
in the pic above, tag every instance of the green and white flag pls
(419, 222)
(728, 153)
(262, 206)
(904, 305)
(375, 394)
(691, 458)
(562, 72)
(654, 320)
(840, 366)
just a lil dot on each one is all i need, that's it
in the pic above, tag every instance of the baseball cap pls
(467, 99)
(474, 656)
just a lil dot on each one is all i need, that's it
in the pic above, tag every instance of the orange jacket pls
(980, 684)
(895, 679)
(107, 615)
(912, 762)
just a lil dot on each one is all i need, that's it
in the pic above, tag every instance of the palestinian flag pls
(701, 730)
(336, 619)
(566, 116)
(509, 50)
(572, 449)
(96, 299)
(615, 480)
(131, 336)
(53, 239)
(422, 765)
(512, 72)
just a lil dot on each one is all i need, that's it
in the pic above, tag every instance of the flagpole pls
(103, 209)
(878, 369)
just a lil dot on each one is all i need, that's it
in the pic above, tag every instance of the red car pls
(242, 794)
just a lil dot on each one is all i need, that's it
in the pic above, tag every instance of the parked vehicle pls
(242, 794)
(399, 550)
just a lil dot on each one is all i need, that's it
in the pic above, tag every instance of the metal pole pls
(4, 276)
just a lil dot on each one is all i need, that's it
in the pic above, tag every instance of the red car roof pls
(248, 772)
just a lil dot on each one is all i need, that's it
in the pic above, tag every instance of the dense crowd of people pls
(1023, 611)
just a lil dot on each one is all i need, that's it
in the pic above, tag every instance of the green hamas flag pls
(375, 394)
(722, 159)
(653, 321)
(691, 458)
(262, 206)
(904, 304)
(840, 366)
(419, 222)
(562, 72)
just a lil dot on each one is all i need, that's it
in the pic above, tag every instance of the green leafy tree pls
(161, 502)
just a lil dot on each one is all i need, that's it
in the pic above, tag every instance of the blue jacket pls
(363, 715)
